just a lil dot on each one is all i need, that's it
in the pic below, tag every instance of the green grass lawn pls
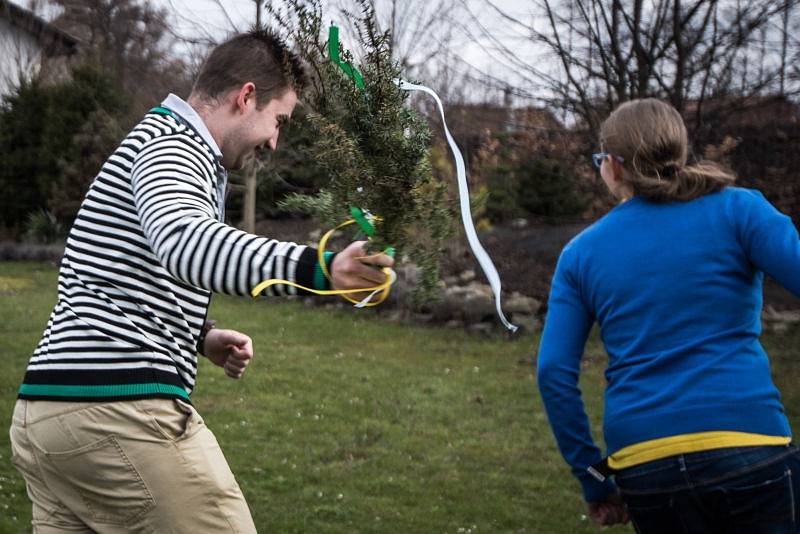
(347, 423)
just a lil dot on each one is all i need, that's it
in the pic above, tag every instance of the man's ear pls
(245, 95)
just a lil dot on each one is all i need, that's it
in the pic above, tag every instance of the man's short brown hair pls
(258, 56)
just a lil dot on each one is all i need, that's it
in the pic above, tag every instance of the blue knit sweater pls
(676, 291)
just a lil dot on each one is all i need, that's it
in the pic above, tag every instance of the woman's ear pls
(616, 168)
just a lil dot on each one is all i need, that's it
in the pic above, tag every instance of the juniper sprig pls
(371, 143)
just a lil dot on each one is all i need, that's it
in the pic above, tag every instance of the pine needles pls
(371, 143)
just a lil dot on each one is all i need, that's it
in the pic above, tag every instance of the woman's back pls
(676, 290)
(673, 277)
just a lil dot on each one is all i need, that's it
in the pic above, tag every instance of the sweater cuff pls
(594, 490)
(320, 280)
(309, 273)
(208, 325)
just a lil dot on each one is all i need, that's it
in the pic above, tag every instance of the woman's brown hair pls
(650, 136)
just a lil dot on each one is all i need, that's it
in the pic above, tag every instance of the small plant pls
(532, 186)
(42, 227)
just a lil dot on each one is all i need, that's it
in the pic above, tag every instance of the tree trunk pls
(250, 184)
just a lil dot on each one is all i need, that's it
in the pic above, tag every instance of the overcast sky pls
(201, 19)
(201, 16)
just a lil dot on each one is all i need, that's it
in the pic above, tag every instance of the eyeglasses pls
(598, 158)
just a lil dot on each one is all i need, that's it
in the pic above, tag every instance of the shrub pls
(42, 227)
(38, 125)
(531, 187)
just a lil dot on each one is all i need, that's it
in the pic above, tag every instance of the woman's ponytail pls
(651, 138)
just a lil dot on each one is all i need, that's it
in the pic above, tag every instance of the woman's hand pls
(609, 511)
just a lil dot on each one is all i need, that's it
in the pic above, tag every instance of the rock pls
(477, 307)
(395, 316)
(470, 304)
(423, 318)
(526, 322)
(455, 292)
(779, 321)
(789, 317)
(519, 224)
(448, 307)
(478, 288)
(467, 276)
(403, 288)
(483, 328)
(519, 303)
(454, 323)
(779, 328)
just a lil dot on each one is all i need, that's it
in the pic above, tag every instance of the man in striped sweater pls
(103, 431)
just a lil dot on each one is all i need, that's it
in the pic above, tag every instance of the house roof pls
(501, 118)
(54, 40)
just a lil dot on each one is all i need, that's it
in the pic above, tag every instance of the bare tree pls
(251, 170)
(131, 39)
(420, 30)
(789, 40)
(597, 54)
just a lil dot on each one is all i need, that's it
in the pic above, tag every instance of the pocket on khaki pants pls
(172, 420)
(109, 485)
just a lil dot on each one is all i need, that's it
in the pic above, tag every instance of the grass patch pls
(347, 423)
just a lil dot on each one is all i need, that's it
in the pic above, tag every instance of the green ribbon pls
(366, 226)
(362, 221)
(353, 74)
(333, 51)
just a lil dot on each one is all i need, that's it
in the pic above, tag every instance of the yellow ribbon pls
(384, 288)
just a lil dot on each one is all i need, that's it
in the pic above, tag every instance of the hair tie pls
(670, 170)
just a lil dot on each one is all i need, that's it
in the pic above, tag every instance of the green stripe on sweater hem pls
(114, 390)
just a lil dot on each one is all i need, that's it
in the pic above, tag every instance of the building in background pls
(30, 46)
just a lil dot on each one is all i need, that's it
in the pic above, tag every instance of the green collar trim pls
(162, 111)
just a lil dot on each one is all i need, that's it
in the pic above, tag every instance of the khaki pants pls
(144, 466)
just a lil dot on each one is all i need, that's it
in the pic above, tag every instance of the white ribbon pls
(367, 299)
(466, 214)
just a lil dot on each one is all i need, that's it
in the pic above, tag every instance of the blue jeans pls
(741, 490)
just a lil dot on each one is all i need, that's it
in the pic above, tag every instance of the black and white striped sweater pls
(145, 253)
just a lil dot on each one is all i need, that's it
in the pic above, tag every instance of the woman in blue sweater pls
(696, 435)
